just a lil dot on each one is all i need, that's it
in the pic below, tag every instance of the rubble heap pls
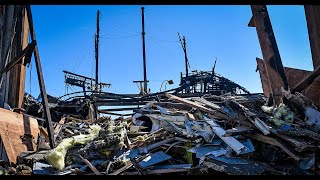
(236, 135)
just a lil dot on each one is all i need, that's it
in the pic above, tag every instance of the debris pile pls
(236, 135)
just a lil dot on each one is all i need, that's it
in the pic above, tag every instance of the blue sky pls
(65, 36)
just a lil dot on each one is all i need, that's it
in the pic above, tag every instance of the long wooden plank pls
(19, 57)
(158, 171)
(17, 73)
(40, 79)
(22, 75)
(295, 76)
(274, 142)
(207, 103)
(270, 51)
(263, 77)
(15, 50)
(192, 104)
(263, 127)
(307, 81)
(312, 13)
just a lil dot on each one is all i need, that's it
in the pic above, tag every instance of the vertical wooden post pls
(145, 81)
(96, 47)
(270, 52)
(313, 23)
(41, 80)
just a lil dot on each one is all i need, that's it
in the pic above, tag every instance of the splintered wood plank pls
(57, 129)
(207, 103)
(195, 105)
(272, 141)
(12, 128)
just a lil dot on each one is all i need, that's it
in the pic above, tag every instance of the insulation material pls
(56, 156)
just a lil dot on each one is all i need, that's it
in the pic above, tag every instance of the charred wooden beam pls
(120, 109)
(263, 77)
(29, 49)
(307, 81)
(145, 81)
(270, 51)
(41, 80)
(18, 72)
(25, 60)
(115, 114)
(313, 23)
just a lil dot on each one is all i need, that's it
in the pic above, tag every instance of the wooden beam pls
(307, 81)
(195, 105)
(15, 49)
(251, 22)
(18, 72)
(263, 77)
(57, 129)
(295, 76)
(312, 13)
(270, 52)
(22, 67)
(41, 80)
(274, 142)
(19, 57)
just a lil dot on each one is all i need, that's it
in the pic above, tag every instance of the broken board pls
(13, 127)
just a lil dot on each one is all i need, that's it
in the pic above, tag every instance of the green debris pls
(188, 155)
(282, 115)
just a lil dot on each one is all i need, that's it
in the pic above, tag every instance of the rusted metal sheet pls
(15, 129)
(270, 51)
(313, 23)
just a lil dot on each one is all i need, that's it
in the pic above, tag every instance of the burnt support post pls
(145, 83)
(40, 79)
(96, 48)
(185, 55)
(184, 48)
(312, 13)
(271, 56)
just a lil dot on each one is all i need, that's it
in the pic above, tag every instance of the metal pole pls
(144, 54)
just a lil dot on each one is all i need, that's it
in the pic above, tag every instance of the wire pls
(122, 37)
(159, 40)
(78, 60)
